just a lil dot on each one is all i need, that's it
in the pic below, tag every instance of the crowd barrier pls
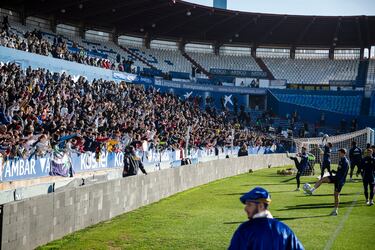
(50, 164)
(31, 222)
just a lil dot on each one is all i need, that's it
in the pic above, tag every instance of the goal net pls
(315, 145)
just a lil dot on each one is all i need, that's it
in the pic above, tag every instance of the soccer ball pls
(325, 138)
(306, 187)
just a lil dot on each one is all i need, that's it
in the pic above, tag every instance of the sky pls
(301, 7)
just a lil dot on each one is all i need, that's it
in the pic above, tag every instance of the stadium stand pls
(109, 55)
(312, 71)
(211, 61)
(55, 112)
(348, 104)
(164, 60)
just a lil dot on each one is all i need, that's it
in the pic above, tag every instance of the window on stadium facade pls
(347, 54)
(372, 52)
(273, 52)
(312, 54)
(162, 44)
(130, 40)
(38, 23)
(97, 35)
(199, 47)
(12, 16)
(67, 30)
(235, 51)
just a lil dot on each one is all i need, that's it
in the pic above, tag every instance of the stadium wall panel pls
(38, 220)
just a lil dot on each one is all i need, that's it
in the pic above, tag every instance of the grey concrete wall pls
(35, 221)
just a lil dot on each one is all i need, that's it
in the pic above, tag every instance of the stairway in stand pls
(197, 65)
(264, 67)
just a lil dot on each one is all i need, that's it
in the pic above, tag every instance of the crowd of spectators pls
(41, 111)
(30, 42)
(35, 43)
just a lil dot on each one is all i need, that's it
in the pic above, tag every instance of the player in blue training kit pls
(355, 157)
(300, 165)
(326, 164)
(368, 174)
(338, 179)
(262, 231)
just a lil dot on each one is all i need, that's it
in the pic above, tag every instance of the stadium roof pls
(183, 21)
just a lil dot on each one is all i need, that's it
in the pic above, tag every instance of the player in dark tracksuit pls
(355, 156)
(326, 164)
(339, 179)
(132, 163)
(368, 173)
(300, 165)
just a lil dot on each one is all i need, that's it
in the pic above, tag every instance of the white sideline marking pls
(341, 225)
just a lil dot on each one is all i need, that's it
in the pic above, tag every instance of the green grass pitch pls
(206, 217)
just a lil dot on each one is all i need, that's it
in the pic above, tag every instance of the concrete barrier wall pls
(35, 221)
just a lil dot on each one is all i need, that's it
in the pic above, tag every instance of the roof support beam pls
(304, 32)
(273, 28)
(224, 20)
(335, 37)
(134, 13)
(359, 32)
(161, 18)
(243, 27)
(188, 20)
(52, 6)
(109, 7)
(368, 37)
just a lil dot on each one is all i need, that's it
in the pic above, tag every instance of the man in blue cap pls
(262, 231)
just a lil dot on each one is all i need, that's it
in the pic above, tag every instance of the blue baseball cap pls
(258, 194)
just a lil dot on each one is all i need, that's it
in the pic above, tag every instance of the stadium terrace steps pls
(362, 73)
(264, 67)
(370, 81)
(138, 57)
(196, 64)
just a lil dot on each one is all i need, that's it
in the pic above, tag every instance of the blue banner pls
(239, 73)
(210, 88)
(19, 169)
(132, 78)
(342, 82)
(22, 169)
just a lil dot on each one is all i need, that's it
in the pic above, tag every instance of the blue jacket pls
(327, 154)
(355, 155)
(368, 168)
(304, 163)
(342, 170)
(264, 234)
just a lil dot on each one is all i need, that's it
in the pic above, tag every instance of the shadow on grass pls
(290, 179)
(282, 219)
(322, 195)
(233, 222)
(235, 194)
(319, 205)
(288, 191)
(271, 192)
(264, 184)
(301, 217)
